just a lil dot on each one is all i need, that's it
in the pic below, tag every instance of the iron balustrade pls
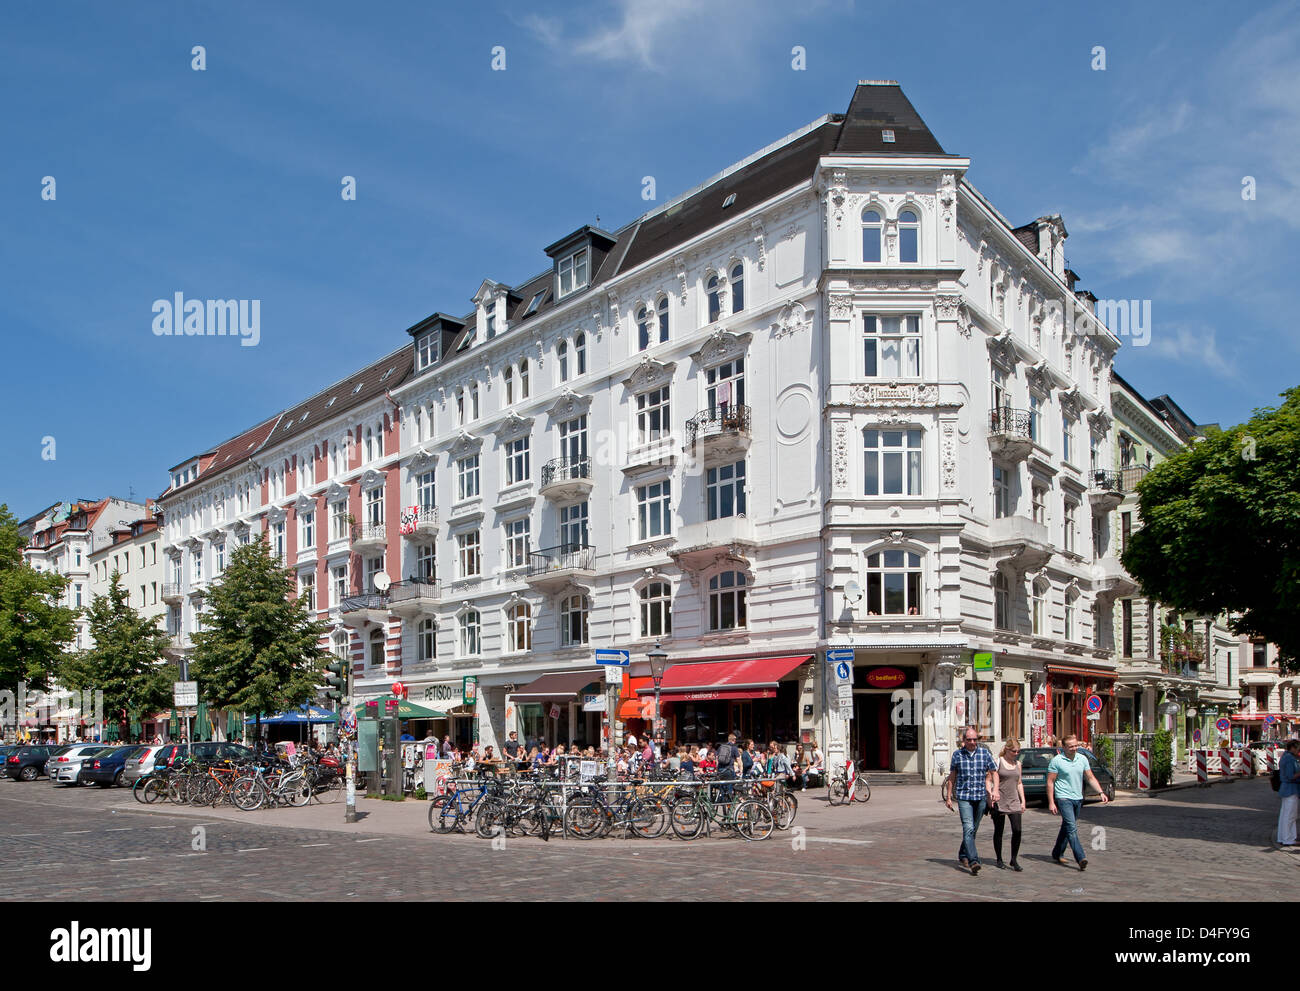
(367, 600)
(412, 589)
(1124, 480)
(1012, 422)
(171, 590)
(565, 470)
(579, 557)
(368, 531)
(724, 419)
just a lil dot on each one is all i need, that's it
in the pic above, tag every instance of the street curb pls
(1183, 785)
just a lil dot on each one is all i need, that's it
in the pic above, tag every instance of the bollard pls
(1225, 761)
(1202, 767)
(1144, 770)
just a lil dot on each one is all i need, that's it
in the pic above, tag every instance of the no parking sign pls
(1223, 725)
(1094, 703)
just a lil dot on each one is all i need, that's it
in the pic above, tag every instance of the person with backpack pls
(1289, 792)
(728, 754)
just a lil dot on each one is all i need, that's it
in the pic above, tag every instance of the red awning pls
(561, 687)
(638, 707)
(1081, 672)
(746, 678)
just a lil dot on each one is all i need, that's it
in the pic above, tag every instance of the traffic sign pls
(1270, 720)
(1196, 736)
(846, 711)
(1223, 725)
(1094, 703)
(606, 655)
(185, 694)
(613, 674)
(1040, 717)
(844, 693)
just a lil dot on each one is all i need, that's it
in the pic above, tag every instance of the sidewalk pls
(1182, 779)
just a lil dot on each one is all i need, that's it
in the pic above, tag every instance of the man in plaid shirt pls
(971, 782)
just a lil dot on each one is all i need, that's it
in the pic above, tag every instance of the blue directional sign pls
(841, 658)
(605, 655)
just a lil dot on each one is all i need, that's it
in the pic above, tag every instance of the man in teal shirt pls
(1065, 776)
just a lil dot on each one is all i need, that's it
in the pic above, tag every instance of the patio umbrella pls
(405, 709)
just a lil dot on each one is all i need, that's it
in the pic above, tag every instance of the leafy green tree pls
(127, 662)
(34, 629)
(1221, 528)
(258, 651)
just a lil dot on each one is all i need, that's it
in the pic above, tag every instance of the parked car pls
(146, 760)
(65, 768)
(108, 768)
(212, 750)
(1033, 771)
(27, 763)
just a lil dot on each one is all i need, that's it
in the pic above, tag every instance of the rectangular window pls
(307, 530)
(726, 384)
(654, 510)
(1069, 617)
(1035, 418)
(427, 349)
(982, 716)
(726, 491)
(573, 439)
(573, 525)
(652, 415)
(1012, 711)
(517, 543)
(517, 470)
(277, 540)
(573, 272)
(339, 520)
(1127, 610)
(467, 549)
(307, 590)
(1067, 439)
(1040, 505)
(374, 565)
(467, 477)
(1000, 397)
(893, 462)
(1001, 492)
(338, 584)
(426, 566)
(892, 347)
(1125, 530)
(1070, 508)
(424, 491)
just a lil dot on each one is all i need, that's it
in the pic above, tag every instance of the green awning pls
(405, 709)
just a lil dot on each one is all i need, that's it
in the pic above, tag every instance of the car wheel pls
(28, 774)
(119, 779)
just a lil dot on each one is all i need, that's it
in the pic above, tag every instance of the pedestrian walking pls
(1066, 773)
(1008, 801)
(1289, 792)
(970, 784)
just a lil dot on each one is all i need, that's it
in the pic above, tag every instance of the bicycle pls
(841, 785)
(777, 797)
(696, 814)
(449, 812)
(595, 815)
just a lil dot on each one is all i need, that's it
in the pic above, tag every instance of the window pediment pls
(650, 374)
(513, 426)
(372, 479)
(569, 405)
(720, 346)
(463, 444)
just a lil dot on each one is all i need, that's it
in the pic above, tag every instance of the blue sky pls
(225, 183)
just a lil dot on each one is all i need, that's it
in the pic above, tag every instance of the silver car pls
(65, 769)
(143, 762)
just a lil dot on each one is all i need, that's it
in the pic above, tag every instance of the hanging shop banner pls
(469, 689)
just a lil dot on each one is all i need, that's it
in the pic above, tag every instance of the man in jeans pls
(970, 782)
(1066, 773)
(727, 754)
(1289, 792)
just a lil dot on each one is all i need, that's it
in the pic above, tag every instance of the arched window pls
(509, 378)
(872, 229)
(656, 610)
(519, 627)
(580, 354)
(737, 287)
(370, 445)
(661, 309)
(339, 644)
(573, 621)
(909, 237)
(1038, 607)
(562, 355)
(715, 304)
(1001, 602)
(470, 634)
(642, 328)
(894, 583)
(426, 640)
(727, 608)
(523, 379)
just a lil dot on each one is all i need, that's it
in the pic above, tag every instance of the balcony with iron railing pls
(369, 537)
(719, 432)
(566, 479)
(414, 596)
(1107, 488)
(553, 567)
(366, 609)
(172, 592)
(1011, 433)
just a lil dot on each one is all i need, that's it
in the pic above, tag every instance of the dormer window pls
(573, 272)
(887, 136)
(491, 322)
(536, 302)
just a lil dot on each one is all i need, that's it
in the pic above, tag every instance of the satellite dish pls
(853, 591)
(382, 581)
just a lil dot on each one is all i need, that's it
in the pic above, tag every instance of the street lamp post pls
(658, 659)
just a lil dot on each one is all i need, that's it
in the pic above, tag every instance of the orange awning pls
(638, 707)
(742, 678)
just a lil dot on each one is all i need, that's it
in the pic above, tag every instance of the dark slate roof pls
(877, 106)
(233, 452)
(1028, 236)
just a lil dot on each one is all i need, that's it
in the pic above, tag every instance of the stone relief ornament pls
(947, 198)
(948, 456)
(760, 236)
(794, 317)
(894, 394)
(679, 267)
(841, 305)
(840, 456)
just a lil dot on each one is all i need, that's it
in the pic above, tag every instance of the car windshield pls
(1036, 759)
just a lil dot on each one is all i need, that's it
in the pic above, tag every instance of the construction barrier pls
(1202, 759)
(1225, 761)
(1144, 770)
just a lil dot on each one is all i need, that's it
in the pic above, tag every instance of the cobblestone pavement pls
(92, 844)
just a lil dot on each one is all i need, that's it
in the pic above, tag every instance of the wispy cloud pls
(1195, 346)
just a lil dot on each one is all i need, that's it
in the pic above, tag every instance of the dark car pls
(27, 763)
(1033, 773)
(108, 768)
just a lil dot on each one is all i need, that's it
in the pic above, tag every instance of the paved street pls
(93, 844)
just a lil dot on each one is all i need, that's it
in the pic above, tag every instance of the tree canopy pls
(35, 629)
(1221, 528)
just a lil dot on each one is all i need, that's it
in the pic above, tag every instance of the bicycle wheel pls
(296, 790)
(836, 792)
(442, 814)
(246, 793)
(489, 818)
(584, 820)
(862, 791)
(754, 820)
(648, 817)
(137, 789)
(784, 809)
(687, 818)
(153, 790)
(329, 792)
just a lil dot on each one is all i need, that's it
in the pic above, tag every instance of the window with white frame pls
(523, 379)
(425, 493)
(909, 236)
(572, 272)
(426, 562)
(277, 540)
(378, 643)
(1000, 397)
(1036, 418)
(573, 621)
(891, 346)
(661, 311)
(339, 644)
(573, 525)
(562, 359)
(1070, 509)
(892, 462)
(339, 520)
(737, 287)
(426, 349)
(426, 640)
(519, 627)
(518, 542)
(338, 584)
(654, 510)
(725, 491)
(643, 321)
(573, 439)
(725, 384)
(460, 407)
(371, 451)
(470, 634)
(1040, 504)
(307, 530)
(467, 477)
(580, 354)
(894, 583)
(872, 235)
(1002, 504)
(653, 421)
(508, 379)
(1038, 607)
(713, 291)
(307, 589)
(656, 610)
(467, 554)
(374, 508)
(198, 566)
(727, 606)
(473, 402)
(517, 457)
(1067, 438)
(1001, 602)
(1069, 615)
(219, 557)
(373, 566)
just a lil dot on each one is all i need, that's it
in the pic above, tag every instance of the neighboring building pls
(832, 366)
(1265, 692)
(1191, 664)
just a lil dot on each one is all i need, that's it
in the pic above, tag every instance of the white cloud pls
(1195, 345)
